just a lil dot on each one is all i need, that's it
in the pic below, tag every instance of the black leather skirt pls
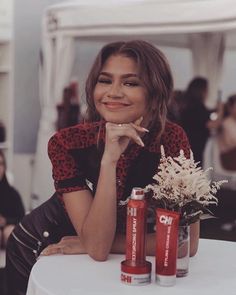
(45, 225)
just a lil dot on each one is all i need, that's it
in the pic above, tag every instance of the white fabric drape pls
(207, 53)
(42, 185)
(65, 21)
(64, 58)
(143, 17)
(58, 55)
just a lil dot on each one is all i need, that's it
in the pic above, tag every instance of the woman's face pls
(119, 95)
(2, 167)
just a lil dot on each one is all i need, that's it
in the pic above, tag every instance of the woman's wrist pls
(107, 161)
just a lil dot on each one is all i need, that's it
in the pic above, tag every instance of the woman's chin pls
(120, 120)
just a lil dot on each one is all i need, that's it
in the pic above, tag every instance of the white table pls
(212, 272)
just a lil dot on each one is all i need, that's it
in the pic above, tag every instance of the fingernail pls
(45, 252)
(138, 121)
(144, 129)
(140, 141)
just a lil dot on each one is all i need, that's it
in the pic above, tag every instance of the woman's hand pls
(118, 137)
(67, 245)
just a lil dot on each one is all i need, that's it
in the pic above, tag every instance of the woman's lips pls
(115, 105)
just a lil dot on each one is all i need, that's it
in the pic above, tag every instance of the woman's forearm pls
(119, 246)
(98, 230)
(99, 226)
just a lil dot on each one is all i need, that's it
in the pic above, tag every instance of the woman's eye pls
(104, 81)
(131, 83)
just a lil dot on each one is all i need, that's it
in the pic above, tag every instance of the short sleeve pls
(183, 143)
(174, 140)
(66, 172)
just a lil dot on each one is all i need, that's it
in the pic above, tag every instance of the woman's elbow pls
(98, 253)
(193, 252)
(194, 238)
(98, 256)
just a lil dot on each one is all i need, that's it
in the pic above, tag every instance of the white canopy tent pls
(201, 25)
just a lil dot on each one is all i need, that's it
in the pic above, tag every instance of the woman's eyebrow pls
(105, 74)
(128, 75)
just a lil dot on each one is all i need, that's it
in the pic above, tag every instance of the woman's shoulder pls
(173, 129)
(174, 139)
(81, 135)
(81, 127)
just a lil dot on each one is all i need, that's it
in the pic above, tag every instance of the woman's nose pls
(115, 90)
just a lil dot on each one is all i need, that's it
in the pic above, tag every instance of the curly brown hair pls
(154, 72)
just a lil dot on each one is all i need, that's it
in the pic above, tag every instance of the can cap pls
(136, 273)
(166, 281)
(134, 267)
(137, 193)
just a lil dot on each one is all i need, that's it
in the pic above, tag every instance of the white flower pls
(180, 181)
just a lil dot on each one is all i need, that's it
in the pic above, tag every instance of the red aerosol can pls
(135, 270)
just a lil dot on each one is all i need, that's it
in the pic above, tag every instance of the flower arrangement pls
(180, 185)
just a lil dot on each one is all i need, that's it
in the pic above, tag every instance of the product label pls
(167, 220)
(126, 278)
(166, 260)
(135, 230)
(166, 249)
(135, 279)
(134, 239)
(131, 211)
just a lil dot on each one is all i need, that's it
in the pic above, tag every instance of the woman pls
(195, 116)
(11, 207)
(96, 164)
(227, 135)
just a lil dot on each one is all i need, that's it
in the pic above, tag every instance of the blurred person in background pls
(11, 206)
(175, 106)
(195, 117)
(227, 135)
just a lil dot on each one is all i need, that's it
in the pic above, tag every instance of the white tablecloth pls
(212, 272)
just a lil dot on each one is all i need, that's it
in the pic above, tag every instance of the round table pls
(212, 272)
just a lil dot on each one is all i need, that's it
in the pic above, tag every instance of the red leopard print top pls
(76, 152)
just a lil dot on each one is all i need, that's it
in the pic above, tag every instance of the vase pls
(183, 251)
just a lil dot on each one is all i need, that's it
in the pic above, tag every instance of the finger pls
(69, 238)
(123, 127)
(132, 134)
(139, 141)
(137, 125)
(51, 246)
(139, 128)
(74, 249)
(124, 130)
(52, 250)
(138, 121)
